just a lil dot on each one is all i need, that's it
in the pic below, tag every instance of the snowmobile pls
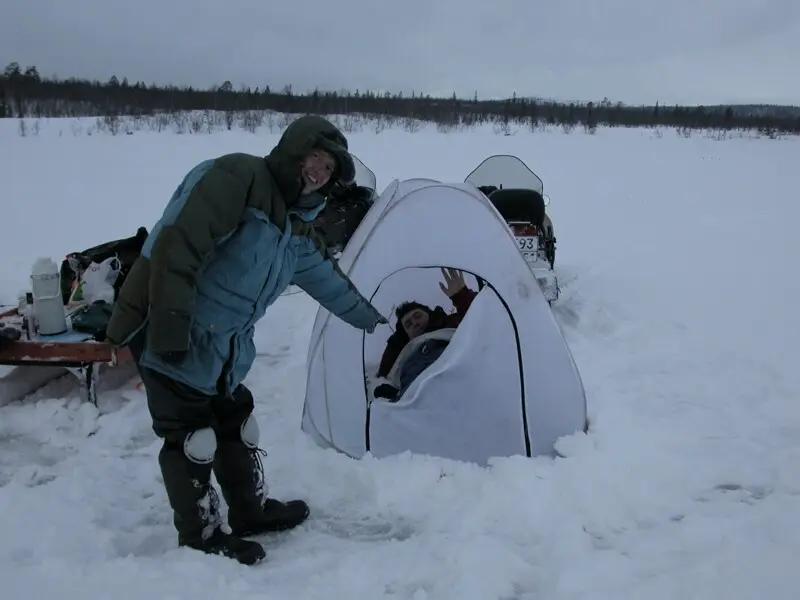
(512, 188)
(518, 195)
(346, 207)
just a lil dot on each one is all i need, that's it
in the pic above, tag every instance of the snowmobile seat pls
(519, 204)
(487, 189)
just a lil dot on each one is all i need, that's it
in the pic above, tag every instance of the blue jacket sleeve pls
(322, 279)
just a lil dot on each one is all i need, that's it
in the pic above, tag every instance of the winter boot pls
(240, 474)
(186, 469)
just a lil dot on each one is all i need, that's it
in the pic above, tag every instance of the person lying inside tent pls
(421, 337)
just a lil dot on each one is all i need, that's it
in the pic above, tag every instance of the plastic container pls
(48, 303)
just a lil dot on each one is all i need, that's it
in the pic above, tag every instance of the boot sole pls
(249, 557)
(276, 527)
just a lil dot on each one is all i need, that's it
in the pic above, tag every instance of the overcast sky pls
(634, 51)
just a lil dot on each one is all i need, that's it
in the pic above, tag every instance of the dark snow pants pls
(202, 433)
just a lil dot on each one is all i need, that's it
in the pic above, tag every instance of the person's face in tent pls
(414, 322)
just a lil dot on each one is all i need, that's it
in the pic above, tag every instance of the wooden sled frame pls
(81, 358)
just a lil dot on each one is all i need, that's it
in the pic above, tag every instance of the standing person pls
(235, 234)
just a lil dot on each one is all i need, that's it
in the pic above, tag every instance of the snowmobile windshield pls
(364, 176)
(505, 171)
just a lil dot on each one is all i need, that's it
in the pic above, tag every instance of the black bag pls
(127, 250)
(92, 319)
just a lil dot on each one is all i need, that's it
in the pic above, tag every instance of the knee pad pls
(200, 446)
(249, 432)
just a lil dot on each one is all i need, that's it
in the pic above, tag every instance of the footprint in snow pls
(362, 529)
(749, 494)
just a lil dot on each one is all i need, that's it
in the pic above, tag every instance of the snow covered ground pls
(678, 259)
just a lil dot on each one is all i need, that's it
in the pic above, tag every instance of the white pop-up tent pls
(505, 385)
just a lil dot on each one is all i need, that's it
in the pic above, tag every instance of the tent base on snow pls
(505, 385)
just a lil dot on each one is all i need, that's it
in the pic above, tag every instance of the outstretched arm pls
(212, 210)
(322, 279)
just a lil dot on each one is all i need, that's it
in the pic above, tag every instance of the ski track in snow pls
(677, 263)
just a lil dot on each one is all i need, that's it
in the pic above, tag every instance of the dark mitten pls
(9, 335)
(386, 391)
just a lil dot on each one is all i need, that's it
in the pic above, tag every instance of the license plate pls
(529, 246)
(528, 242)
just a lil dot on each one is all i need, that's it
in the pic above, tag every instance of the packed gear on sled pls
(115, 257)
(75, 264)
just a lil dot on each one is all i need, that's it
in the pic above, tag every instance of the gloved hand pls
(381, 320)
(386, 391)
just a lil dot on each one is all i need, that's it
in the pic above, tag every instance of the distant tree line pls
(24, 93)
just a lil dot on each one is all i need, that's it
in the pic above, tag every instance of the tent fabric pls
(507, 383)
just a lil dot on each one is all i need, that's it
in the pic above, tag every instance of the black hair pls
(406, 307)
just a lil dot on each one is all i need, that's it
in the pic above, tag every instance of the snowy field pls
(678, 261)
